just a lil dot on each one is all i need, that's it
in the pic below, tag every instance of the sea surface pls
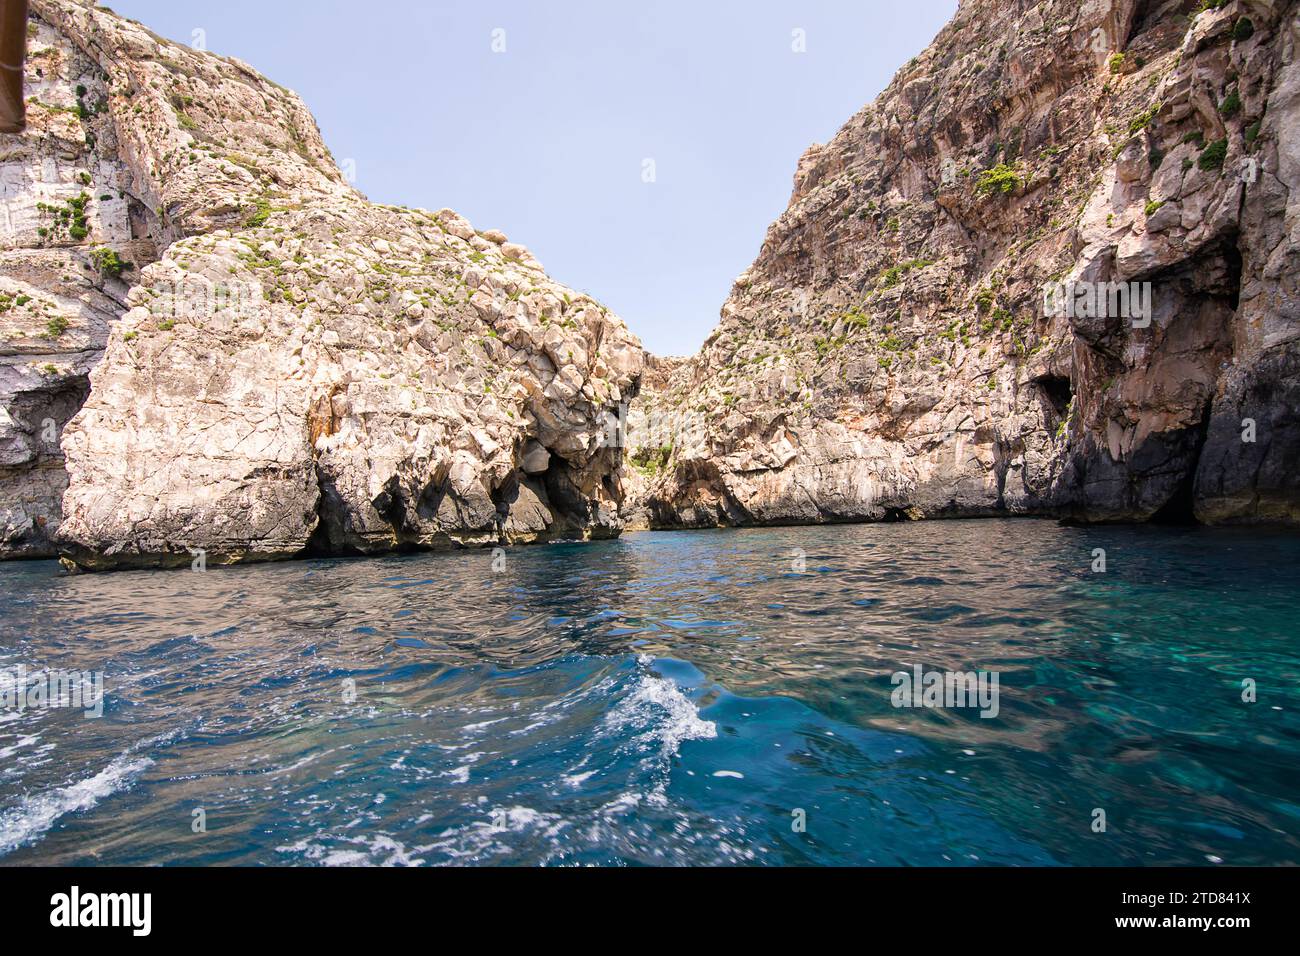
(707, 697)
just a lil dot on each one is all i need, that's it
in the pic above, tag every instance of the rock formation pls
(297, 369)
(916, 339)
(1052, 271)
(72, 220)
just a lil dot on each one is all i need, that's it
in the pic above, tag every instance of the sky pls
(639, 149)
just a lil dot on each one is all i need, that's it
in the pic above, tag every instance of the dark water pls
(672, 698)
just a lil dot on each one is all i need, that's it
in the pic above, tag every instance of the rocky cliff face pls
(1052, 270)
(68, 197)
(294, 368)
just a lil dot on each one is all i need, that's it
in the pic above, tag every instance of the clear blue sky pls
(547, 140)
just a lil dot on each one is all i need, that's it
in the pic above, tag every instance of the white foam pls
(475, 728)
(36, 814)
(485, 839)
(667, 715)
(31, 818)
(377, 850)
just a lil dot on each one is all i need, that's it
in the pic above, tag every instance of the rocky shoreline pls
(211, 344)
(290, 368)
(890, 351)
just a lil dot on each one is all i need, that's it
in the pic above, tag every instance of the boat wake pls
(35, 814)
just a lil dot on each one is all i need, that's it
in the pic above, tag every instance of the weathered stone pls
(285, 368)
(889, 353)
(536, 459)
(298, 369)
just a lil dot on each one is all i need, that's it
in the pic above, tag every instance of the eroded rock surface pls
(298, 369)
(889, 354)
(270, 365)
(72, 227)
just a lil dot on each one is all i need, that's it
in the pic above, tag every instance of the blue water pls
(672, 698)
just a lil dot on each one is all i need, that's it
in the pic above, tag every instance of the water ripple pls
(670, 699)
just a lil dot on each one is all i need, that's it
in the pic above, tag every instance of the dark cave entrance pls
(1057, 394)
(1180, 509)
(1215, 275)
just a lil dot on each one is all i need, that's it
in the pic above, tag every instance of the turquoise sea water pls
(672, 698)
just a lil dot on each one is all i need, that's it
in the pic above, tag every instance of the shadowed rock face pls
(270, 365)
(889, 354)
(294, 369)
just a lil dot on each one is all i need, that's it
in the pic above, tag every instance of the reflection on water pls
(675, 698)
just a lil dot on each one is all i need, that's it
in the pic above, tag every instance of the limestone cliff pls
(209, 342)
(294, 369)
(897, 349)
(69, 200)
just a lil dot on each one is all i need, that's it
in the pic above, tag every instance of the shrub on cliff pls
(1213, 155)
(108, 262)
(55, 328)
(999, 179)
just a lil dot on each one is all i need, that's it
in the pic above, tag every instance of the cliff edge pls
(1052, 270)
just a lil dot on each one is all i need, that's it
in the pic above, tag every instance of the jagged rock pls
(889, 353)
(286, 368)
(297, 369)
(536, 459)
(68, 198)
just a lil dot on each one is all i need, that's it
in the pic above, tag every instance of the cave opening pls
(1213, 277)
(1057, 392)
(1180, 509)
